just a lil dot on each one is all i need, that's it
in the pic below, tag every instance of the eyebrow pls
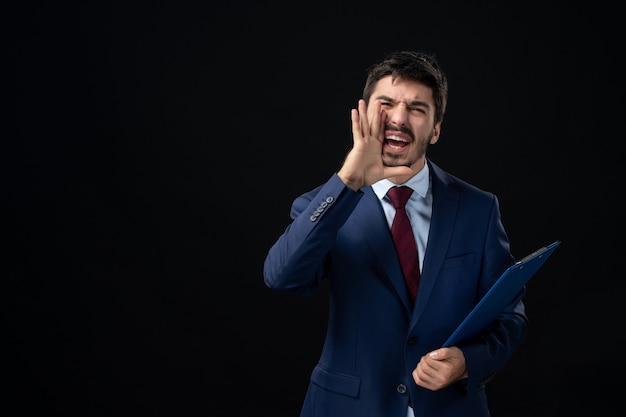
(412, 103)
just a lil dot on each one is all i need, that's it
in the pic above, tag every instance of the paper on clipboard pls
(500, 294)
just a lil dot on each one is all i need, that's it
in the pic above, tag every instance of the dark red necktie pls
(403, 239)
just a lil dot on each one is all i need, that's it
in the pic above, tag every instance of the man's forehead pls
(403, 90)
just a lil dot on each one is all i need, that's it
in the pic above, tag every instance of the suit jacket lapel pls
(445, 202)
(372, 219)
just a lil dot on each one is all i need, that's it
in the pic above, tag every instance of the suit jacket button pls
(412, 341)
(401, 388)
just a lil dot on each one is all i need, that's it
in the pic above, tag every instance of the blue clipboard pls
(500, 295)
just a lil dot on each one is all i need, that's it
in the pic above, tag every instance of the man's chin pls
(390, 162)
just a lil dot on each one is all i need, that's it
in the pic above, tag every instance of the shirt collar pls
(418, 182)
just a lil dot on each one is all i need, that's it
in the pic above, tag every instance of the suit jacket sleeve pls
(295, 263)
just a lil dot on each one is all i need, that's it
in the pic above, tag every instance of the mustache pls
(403, 129)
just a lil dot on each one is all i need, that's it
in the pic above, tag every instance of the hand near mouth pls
(364, 163)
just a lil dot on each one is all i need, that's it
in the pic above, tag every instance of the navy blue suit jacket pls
(374, 338)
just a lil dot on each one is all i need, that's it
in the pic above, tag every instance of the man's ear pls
(436, 133)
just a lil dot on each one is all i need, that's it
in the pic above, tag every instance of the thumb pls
(438, 353)
(399, 171)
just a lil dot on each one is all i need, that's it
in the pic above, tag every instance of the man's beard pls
(391, 160)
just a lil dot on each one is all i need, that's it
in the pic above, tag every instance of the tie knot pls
(399, 196)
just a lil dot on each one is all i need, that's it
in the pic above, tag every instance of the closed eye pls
(417, 109)
(413, 107)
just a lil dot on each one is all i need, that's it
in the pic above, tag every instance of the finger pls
(417, 374)
(375, 125)
(429, 368)
(426, 370)
(365, 127)
(356, 123)
(378, 122)
(421, 377)
(416, 377)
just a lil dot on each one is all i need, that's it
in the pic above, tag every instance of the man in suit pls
(382, 356)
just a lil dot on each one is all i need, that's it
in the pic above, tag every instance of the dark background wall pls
(132, 271)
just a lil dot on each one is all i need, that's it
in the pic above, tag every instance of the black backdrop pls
(132, 267)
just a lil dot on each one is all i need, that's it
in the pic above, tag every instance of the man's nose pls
(398, 115)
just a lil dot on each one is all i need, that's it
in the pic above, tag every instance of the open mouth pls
(395, 143)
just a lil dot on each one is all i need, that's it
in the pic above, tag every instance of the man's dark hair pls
(411, 65)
